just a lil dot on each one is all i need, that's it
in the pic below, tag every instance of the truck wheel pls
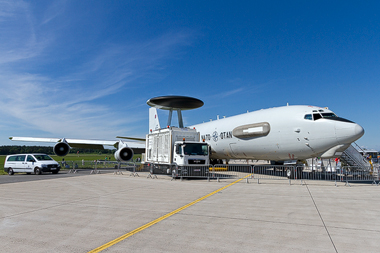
(213, 161)
(37, 171)
(10, 172)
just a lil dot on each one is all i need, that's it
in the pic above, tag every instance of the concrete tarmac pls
(79, 214)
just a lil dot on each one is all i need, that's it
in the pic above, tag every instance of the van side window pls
(12, 159)
(30, 159)
(21, 158)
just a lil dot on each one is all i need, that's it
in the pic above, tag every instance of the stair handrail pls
(356, 157)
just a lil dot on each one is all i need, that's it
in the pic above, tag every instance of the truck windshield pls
(195, 149)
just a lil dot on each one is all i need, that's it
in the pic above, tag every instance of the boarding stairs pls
(353, 158)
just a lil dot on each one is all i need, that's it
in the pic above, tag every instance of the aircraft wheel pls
(10, 172)
(37, 171)
(290, 173)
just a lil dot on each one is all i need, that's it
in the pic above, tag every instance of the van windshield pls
(43, 157)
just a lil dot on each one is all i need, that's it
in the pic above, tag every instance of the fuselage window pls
(308, 116)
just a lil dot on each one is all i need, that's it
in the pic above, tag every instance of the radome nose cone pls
(348, 132)
(359, 131)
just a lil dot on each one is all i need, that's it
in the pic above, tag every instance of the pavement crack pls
(320, 216)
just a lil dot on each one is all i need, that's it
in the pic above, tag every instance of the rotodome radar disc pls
(175, 103)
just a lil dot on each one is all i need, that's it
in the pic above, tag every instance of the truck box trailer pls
(171, 147)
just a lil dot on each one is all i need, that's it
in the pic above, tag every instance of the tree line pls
(9, 150)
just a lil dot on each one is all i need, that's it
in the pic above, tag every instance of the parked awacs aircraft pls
(277, 134)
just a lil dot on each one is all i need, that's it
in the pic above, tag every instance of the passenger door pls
(29, 164)
(20, 163)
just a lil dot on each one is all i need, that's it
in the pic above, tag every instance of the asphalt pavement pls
(23, 177)
(122, 213)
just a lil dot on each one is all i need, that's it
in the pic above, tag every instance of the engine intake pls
(61, 149)
(124, 154)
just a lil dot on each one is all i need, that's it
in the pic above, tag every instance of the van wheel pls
(10, 172)
(37, 171)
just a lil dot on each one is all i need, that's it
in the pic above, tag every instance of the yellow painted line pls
(218, 169)
(123, 237)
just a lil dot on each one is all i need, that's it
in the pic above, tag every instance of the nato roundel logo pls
(215, 136)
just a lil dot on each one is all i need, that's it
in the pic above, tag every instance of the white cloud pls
(80, 103)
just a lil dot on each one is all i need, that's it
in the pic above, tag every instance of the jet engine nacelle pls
(124, 154)
(61, 149)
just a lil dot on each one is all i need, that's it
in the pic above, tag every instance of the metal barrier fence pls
(275, 172)
(96, 167)
(345, 174)
(213, 172)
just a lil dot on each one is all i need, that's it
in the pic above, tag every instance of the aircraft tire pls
(290, 173)
(10, 172)
(37, 171)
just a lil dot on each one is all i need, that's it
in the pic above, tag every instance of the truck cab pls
(188, 153)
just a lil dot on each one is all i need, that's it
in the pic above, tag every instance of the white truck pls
(171, 149)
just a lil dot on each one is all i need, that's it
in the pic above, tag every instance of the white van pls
(30, 163)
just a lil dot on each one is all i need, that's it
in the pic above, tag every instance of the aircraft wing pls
(131, 138)
(82, 143)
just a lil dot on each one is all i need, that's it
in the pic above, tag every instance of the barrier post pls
(118, 172)
(95, 170)
(134, 173)
(347, 181)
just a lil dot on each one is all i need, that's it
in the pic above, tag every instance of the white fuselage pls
(283, 133)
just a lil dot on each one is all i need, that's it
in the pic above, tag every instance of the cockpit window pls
(329, 115)
(317, 116)
(308, 116)
(325, 115)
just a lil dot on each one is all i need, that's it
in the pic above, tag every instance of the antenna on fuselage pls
(175, 103)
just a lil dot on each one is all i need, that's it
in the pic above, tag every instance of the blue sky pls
(85, 69)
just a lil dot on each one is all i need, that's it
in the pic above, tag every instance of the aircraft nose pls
(348, 132)
(359, 131)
